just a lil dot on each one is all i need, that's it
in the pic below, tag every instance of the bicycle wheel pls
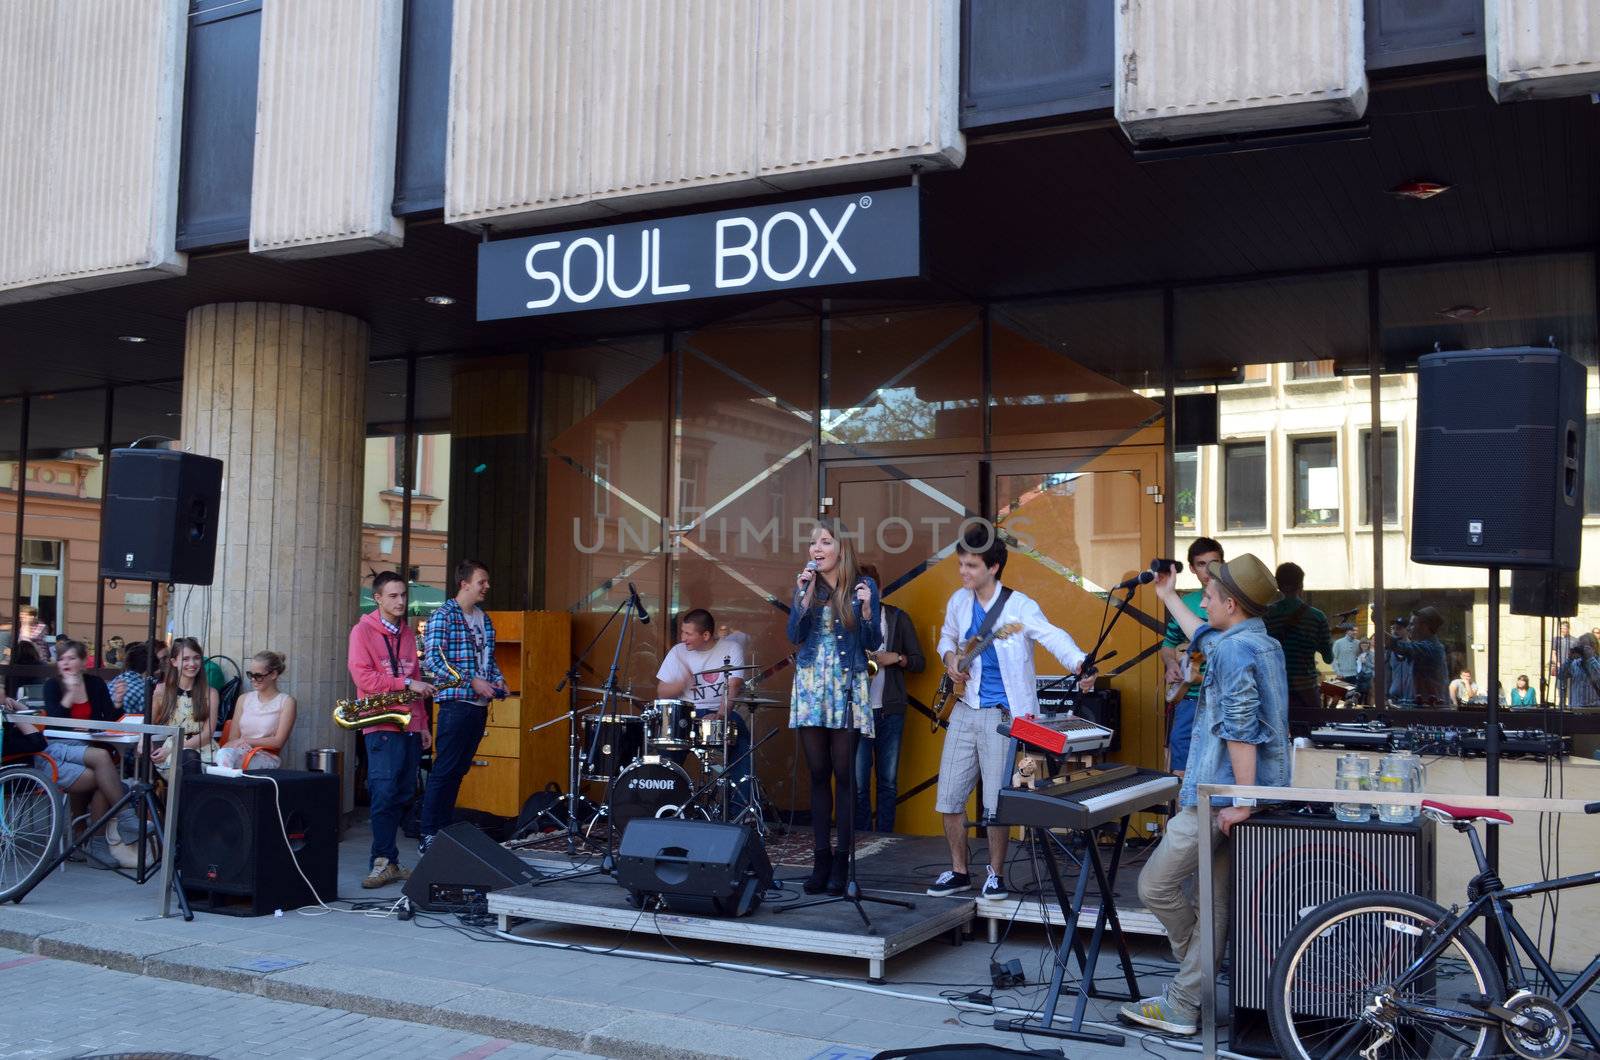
(1345, 958)
(33, 817)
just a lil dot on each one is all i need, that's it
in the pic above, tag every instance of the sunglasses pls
(252, 675)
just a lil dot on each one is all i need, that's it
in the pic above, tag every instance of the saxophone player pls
(383, 658)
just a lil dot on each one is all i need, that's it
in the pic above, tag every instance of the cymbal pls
(614, 695)
(728, 669)
(755, 701)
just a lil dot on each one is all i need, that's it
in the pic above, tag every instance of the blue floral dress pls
(820, 688)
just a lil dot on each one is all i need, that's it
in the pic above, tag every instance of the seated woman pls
(85, 773)
(262, 719)
(185, 699)
(1523, 695)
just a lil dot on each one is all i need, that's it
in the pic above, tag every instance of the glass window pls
(1316, 482)
(1391, 477)
(1186, 466)
(1244, 479)
(1312, 370)
(1591, 468)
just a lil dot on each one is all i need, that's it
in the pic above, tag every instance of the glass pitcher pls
(1400, 771)
(1353, 772)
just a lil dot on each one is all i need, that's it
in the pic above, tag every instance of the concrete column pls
(278, 393)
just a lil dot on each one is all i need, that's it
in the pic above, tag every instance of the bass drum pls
(647, 789)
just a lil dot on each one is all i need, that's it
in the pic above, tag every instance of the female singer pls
(835, 621)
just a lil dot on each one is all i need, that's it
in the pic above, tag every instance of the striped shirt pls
(1303, 632)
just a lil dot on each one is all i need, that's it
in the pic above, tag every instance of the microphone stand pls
(570, 682)
(852, 890)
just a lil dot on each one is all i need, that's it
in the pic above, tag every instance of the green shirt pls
(1194, 600)
(1303, 632)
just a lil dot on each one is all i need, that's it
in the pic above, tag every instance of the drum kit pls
(641, 750)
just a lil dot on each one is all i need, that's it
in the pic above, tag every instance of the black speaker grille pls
(1502, 479)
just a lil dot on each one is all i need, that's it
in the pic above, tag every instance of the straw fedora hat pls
(1248, 581)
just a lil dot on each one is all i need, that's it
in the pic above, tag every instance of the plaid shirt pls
(133, 698)
(449, 640)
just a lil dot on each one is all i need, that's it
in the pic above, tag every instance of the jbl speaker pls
(1285, 864)
(232, 850)
(1498, 480)
(704, 867)
(1549, 593)
(461, 867)
(160, 516)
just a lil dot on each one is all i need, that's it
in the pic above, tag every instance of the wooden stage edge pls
(833, 930)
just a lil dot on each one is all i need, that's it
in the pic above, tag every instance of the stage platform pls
(893, 866)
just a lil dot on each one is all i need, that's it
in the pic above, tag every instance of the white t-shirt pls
(480, 642)
(705, 691)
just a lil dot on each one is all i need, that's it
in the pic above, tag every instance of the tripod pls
(569, 682)
(852, 890)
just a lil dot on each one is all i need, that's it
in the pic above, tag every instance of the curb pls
(606, 1030)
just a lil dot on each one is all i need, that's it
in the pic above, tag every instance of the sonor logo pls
(651, 784)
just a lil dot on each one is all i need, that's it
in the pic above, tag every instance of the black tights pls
(830, 755)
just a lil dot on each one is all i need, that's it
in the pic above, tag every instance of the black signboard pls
(787, 246)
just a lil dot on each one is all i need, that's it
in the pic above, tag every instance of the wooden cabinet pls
(533, 649)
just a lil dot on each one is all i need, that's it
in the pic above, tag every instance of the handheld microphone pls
(638, 605)
(1144, 577)
(1161, 566)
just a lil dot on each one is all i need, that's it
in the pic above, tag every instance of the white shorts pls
(972, 748)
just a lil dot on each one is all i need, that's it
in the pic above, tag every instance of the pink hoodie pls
(370, 666)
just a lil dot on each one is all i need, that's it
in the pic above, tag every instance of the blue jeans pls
(885, 748)
(1182, 733)
(457, 731)
(392, 759)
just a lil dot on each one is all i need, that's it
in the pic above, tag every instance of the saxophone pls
(358, 714)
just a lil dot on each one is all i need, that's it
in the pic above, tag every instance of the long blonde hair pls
(845, 574)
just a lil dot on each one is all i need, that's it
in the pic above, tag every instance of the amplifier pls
(1103, 706)
(1362, 736)
(1285, 864)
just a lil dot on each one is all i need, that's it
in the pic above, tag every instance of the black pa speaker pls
(231, 847)
(1498, 480)
(1548, 593)
(1285, 864)
(160, 516)
(461, 867)
(704, 867)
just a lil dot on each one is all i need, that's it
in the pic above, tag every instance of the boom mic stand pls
(569, 682)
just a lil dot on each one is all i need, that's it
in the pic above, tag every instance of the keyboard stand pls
(1071, 907)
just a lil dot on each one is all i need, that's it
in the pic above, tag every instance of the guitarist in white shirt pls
(999, 684)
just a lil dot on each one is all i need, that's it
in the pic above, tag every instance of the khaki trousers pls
(1162, 889)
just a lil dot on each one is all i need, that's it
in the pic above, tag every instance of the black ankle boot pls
(821, 867)
(840, 873)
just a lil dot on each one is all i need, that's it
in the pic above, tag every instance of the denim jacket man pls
(1241, 736)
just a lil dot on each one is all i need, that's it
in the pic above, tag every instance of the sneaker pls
(994, 886)
(98, 853)
(423, 844)
(950, 882)
(384, 872)
(1161, 1014)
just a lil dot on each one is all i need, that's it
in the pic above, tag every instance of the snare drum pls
(669, 725)
(710, 732)
(621, 741)
(647, 789)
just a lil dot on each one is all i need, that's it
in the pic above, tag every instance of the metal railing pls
(169, 835)
(1204, 794)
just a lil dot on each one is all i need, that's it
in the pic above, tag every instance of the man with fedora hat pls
(1241, 736)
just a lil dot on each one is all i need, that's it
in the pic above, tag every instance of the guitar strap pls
(993, 616)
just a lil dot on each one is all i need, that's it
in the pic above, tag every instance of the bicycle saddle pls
(1464, 813)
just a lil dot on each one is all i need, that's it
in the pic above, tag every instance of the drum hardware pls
(669, 725)
(755, 702)
(614, 694)
(728, 669)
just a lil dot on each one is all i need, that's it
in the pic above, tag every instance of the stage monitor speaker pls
(461, 867)
(1287, 863)
(160, 516)
(1498, 480)
(1197, 421)
(704, 867)
(1547, 593)
(231, 848)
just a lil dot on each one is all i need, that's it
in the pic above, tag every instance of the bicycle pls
(1390, 974)
(33, 818)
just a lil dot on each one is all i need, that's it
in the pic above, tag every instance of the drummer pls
(694, 670)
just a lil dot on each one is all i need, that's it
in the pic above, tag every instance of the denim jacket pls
(805, 629)
(1244, 699)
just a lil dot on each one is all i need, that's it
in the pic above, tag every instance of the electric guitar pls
(949, 691)
(1192, 661)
